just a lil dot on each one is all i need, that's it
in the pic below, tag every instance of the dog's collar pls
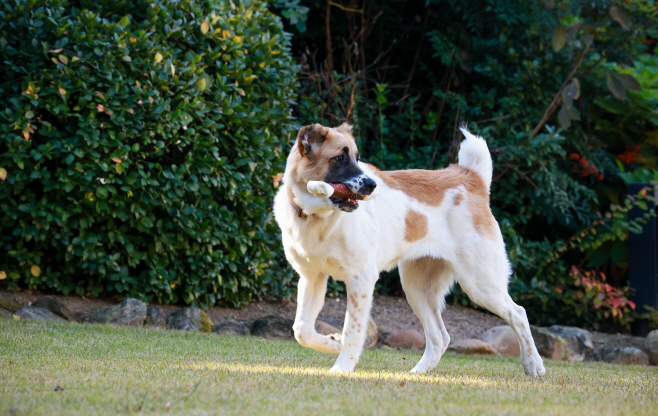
(300, 212)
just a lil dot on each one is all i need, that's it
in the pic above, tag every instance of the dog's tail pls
(474, 154)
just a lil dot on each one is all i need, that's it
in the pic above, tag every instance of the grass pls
(104, 369)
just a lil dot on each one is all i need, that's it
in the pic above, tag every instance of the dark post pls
(643, 262)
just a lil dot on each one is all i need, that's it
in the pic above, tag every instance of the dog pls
(436, 226)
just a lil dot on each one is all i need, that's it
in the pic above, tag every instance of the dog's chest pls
(327, 250)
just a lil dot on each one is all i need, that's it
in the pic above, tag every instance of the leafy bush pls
(592, 294)
(137, 140)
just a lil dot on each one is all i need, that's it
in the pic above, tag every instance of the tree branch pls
(553, 105)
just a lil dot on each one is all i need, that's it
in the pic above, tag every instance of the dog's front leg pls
(359, 300)
(310, 299)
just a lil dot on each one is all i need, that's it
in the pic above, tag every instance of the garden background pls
(141, 141)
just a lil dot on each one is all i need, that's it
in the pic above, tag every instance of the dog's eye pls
(340, 158)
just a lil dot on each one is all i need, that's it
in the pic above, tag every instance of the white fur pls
(355, 247)
(474, 154)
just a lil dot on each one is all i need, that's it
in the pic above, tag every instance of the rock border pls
(560, 343)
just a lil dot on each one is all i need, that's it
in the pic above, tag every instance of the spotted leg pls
(359, 300)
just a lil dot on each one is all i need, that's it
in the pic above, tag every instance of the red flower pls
(585, 167)
(630, 154)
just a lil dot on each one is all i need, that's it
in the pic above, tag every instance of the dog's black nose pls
(370, 185)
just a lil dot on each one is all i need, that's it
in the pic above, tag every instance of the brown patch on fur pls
(483, 220)
(425, 266)
(415, 226)
(354, 300)
(310, 161)
(430, 187)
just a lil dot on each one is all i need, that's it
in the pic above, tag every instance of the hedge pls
(137, 144)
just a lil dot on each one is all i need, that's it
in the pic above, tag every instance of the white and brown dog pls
(436, 226)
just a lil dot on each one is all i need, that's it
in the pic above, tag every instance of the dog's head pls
(329, 155)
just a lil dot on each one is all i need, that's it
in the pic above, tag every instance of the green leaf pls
(629, 82)
(201, 84)
(571, 92)
(563, 118)
(621, 16)
(101, 192)
(125, 21)
(616, 87)
(559, 38)
(146, 222)
(573, 113)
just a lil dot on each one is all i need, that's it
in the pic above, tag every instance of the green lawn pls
(116, 370)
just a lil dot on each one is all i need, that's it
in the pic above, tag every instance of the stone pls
(472, 346)
(621, 355)
(651, 346)
(549, 345)
(9, 305)
(37, 313)
(406, 339)
(189, 319)
(324, 328)
(54, 305)
(372, 334)
(578, 344)
(231, 327)
(155, 316)
(273, 326)
(129, 312)
(503, 339)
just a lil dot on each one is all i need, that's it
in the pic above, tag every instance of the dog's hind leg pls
(426, 281)
(484, 279)
(310, 299)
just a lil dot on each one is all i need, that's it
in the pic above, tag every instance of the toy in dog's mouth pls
(339, 193)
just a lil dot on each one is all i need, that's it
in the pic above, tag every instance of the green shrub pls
(138, 140)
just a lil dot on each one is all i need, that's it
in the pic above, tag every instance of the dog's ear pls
(310, 139)
(346, 128)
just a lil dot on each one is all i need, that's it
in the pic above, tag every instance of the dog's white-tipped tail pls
(474, 154)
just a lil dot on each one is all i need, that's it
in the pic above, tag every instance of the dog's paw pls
(534, 367)
(338, 370)
(418, 370)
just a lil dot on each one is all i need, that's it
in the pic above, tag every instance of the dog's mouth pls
(345, 204)
(347, 201)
